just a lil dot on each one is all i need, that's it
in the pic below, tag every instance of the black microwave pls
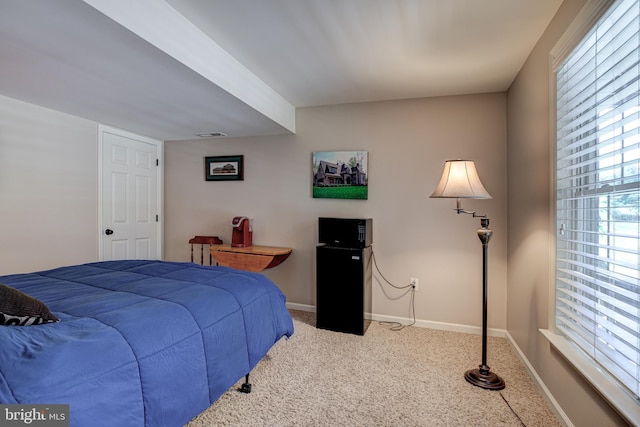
(345, 232)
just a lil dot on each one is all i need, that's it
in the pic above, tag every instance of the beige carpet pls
(411, 377)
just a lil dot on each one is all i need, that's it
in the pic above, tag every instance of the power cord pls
(397, 326)
(514, 412)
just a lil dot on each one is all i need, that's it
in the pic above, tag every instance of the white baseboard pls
(439, 325)
(419, 323)
(301, 307)
(538, 381)
(469, 330)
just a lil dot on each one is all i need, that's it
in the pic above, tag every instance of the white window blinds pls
(598, 194)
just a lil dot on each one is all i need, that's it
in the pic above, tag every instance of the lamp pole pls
(482, 376)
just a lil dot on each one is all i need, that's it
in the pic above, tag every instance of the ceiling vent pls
(211, 135)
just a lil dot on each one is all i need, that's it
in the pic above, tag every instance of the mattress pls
(140, 342)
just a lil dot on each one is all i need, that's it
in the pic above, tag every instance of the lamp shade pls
(460, 180)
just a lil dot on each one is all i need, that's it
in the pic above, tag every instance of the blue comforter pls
(139, 343)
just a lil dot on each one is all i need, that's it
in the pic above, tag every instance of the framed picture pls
(340, 175)
(224, 168)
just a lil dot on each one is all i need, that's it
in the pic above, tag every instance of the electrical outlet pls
(414, 282)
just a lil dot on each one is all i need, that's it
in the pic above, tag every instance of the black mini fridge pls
(343, 285)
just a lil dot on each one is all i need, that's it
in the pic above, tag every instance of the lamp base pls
(483, 378)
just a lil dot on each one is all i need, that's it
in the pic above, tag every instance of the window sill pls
(623, 402)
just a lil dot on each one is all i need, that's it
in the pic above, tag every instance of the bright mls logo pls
(34, 415)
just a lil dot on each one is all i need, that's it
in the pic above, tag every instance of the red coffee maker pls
(242, 232)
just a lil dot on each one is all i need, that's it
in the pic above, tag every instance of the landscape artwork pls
(224, 168)
(340, 175)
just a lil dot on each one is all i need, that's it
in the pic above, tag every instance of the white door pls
(130, 196)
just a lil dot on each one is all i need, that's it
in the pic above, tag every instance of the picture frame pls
(224, 168)
(340, 174)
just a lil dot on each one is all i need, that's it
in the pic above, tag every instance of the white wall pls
(414, 236)
(48, 188)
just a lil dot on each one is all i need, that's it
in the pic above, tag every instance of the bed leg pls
(246, 387)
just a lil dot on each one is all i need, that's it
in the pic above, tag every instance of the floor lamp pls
(460, 180)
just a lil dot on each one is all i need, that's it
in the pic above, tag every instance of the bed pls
(139, 343)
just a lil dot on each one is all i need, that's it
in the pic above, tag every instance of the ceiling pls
(172, 69)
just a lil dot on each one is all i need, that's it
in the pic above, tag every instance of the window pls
(598, 194)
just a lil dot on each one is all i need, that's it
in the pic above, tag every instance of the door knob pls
(108, 232)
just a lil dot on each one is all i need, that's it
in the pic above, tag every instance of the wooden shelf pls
(250, 258)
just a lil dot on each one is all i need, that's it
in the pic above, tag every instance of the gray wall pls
(414, 236)
(530, 265)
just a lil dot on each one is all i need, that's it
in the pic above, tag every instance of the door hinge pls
(157, 162)
(156, 218)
